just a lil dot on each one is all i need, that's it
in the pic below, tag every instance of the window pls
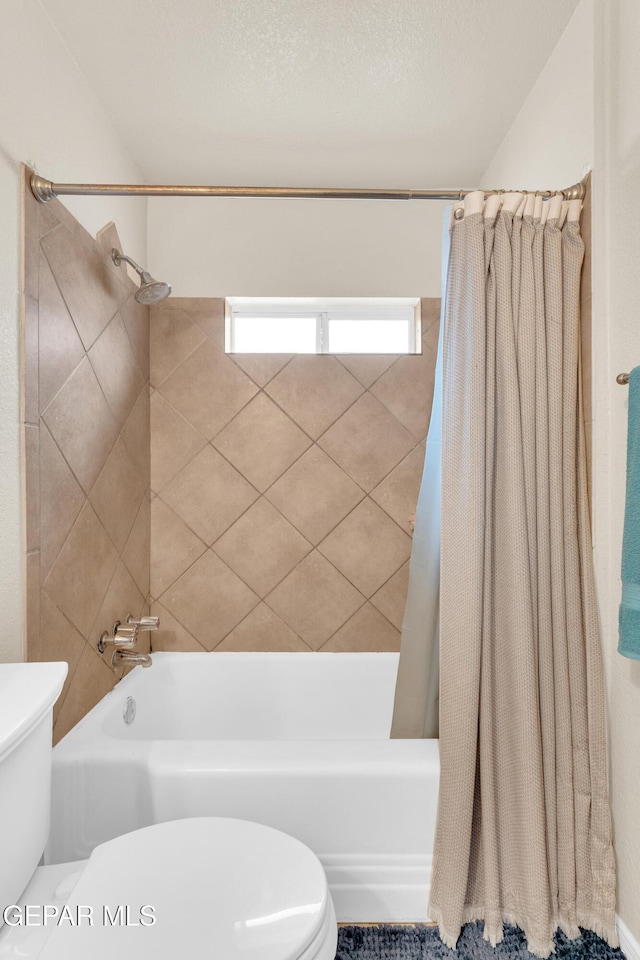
(312, 325)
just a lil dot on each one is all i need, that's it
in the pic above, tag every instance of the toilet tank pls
(28, 692)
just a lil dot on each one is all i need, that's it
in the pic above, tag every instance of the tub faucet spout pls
(130, 657)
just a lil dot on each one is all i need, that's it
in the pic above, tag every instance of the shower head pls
(150, 290)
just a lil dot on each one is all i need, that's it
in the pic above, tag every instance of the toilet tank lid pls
(27, 692)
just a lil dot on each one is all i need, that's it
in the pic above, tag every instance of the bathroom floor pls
(421, 942)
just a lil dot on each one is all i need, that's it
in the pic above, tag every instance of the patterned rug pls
(423, 943)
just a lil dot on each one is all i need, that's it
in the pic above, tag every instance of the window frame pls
(324, 311)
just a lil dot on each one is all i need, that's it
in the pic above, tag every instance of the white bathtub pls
(297, 741)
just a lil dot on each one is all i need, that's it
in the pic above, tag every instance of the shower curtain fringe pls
(494, 932)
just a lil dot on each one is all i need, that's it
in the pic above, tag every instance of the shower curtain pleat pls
(523, 833)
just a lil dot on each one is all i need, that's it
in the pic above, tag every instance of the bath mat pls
(423, 943)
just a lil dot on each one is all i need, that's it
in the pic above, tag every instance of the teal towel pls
(629, 619)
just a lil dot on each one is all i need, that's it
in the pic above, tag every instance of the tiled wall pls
(282, 488)
(86, 445)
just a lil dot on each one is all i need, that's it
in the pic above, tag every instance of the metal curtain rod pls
(44, 190)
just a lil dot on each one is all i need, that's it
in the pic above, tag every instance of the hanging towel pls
(629, 619)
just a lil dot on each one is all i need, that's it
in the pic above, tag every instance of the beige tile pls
(80, 576)
(314, 391)
(48, 219)
(66, 218)
(173, 336)
(92, 680)
(209, 494)
(122, 598)
(366, 631)
(173, 547)
(117, 495)
(174, 443)
(137, 551)
(61, 499)
(60, 641)
(30, 223)
(60, 347)
(261, 442)
(262, 547)
(136, 434)
(314, 494)
(206, 312)
(262, 631)
(32, 633)
(398, 492)
(30, 362)
(92, 292)
(209, 600)
(367, 442)
(136, 321)
(172, 635)
(82, 424)
(367, 547)
(391, 598)
(106, 239)
(406, 389)
(429, 312)
(208, 389)
(367, 368)
(115, 367)
(261, 367)
(315, 600)
(32, 486)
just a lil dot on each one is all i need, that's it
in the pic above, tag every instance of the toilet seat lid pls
(220, 888)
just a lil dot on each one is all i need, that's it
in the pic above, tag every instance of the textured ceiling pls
(311, 92)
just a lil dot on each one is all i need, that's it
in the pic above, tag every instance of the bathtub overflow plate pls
(129, 712)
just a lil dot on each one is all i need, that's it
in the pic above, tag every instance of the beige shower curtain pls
(523, 833)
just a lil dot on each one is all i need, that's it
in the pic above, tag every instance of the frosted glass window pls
(274, 335)
(316, 325)
(369, 336)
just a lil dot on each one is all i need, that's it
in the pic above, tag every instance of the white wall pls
(584, 110)
(359, 248)
(550, 142)
(50, 119)
(616, 348)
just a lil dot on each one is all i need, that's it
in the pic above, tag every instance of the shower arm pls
(45, 190)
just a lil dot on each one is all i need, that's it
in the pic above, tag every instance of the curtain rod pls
(44, 190)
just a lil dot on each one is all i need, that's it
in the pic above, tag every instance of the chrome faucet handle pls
(144, 623)
(123, 635)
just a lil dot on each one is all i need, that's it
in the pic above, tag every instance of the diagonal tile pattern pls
(209, 494)
(209, 600)
(261, 442)
(86, 449)
(367, 441)
(314, 391)
(315, 600)
(367, 547)
(262, 547)
(305, 456)
(314, 494)
(208, 389)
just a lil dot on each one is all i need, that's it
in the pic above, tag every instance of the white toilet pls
(200, 888)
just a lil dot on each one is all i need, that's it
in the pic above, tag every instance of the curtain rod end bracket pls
(42, 189)
(575, 192)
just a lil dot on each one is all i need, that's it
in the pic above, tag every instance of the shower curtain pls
(523, 833)
(416, 704)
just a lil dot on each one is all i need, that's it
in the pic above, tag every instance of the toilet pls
(205, 887)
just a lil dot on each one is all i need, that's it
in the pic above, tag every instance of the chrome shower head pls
(150, 290)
